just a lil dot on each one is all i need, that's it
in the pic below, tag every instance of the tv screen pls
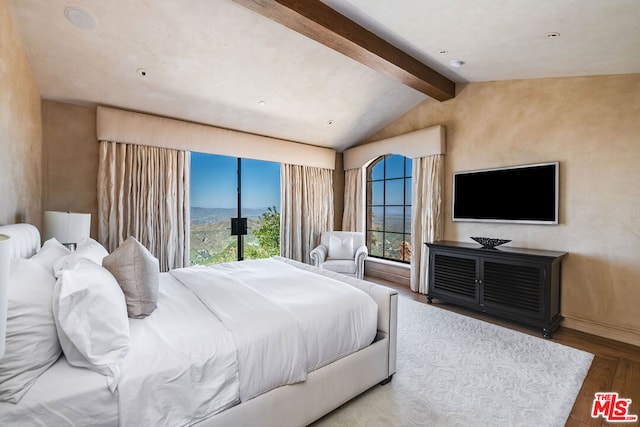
(519, 194)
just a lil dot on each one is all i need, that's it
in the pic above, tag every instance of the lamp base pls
(70, 246)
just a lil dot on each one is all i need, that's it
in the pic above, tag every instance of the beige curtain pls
(427, 215)
(144, 192)
(352, 218)
(306, 203)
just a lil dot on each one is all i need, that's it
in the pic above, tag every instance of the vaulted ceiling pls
(217, 62)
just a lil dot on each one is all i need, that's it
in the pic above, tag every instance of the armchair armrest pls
(318, 255)
(361, 254)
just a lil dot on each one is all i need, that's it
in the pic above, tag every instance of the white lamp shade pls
(66, 227)
(5, 255)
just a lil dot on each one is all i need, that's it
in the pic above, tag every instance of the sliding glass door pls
(260, 201)
(235, 209)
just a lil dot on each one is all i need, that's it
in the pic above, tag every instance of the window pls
(389, 208)
(229, 189)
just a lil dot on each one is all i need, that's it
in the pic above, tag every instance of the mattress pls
(53, 400)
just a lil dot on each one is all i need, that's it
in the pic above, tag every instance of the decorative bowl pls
(489, 242)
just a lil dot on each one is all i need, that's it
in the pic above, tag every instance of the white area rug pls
(453, 370)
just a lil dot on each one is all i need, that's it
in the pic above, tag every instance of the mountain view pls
(212, 242)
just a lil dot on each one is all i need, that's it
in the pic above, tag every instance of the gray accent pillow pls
(138, 274)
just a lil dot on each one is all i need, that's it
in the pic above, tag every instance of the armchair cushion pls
(341, 247)
(346, 266)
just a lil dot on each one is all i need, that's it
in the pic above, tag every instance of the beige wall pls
(592, 126)
(20, 130)
(70, 159)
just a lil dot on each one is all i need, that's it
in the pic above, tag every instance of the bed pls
(206, 356)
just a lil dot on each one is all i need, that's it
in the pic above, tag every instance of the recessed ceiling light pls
(553, 35)
(455, 63)
(262, 103)
(80, 18)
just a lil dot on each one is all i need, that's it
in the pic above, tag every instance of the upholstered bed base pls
(25, 239)
(328, 387)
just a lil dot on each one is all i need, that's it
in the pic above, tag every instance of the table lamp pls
(68, 228)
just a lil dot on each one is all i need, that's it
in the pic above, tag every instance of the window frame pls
(405, 207)
(238, 220)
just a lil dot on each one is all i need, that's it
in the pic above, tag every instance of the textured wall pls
(592, 126)
(70, 159)
(20, 130)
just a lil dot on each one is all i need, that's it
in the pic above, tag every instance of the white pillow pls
(88, 248)
(50, 253)
(32, 342)
(341, 248)
(91, 317)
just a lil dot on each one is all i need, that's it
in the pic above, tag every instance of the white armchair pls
(342, 252)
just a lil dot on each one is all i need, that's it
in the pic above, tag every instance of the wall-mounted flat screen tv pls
(526, 194)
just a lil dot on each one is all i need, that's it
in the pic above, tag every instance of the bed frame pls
(25, 239)
(325, 389)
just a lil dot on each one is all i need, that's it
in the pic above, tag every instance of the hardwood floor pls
(615, 367)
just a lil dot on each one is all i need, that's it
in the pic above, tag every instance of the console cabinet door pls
(512, 289)
(454, 277)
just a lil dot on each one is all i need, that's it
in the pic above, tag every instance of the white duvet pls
(181, 364)
(261, 324)
(336, 318)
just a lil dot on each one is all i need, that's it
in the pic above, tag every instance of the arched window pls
(389, 208)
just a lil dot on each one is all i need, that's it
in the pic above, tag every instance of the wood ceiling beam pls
(323, 24)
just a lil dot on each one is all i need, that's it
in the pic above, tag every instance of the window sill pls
(396, 272)
(388, 262)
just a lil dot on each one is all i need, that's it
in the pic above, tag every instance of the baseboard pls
(600, 329)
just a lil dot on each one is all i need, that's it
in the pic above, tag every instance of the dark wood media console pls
(513, 283)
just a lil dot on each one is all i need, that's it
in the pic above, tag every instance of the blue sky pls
(397, 192)
(213, 182)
